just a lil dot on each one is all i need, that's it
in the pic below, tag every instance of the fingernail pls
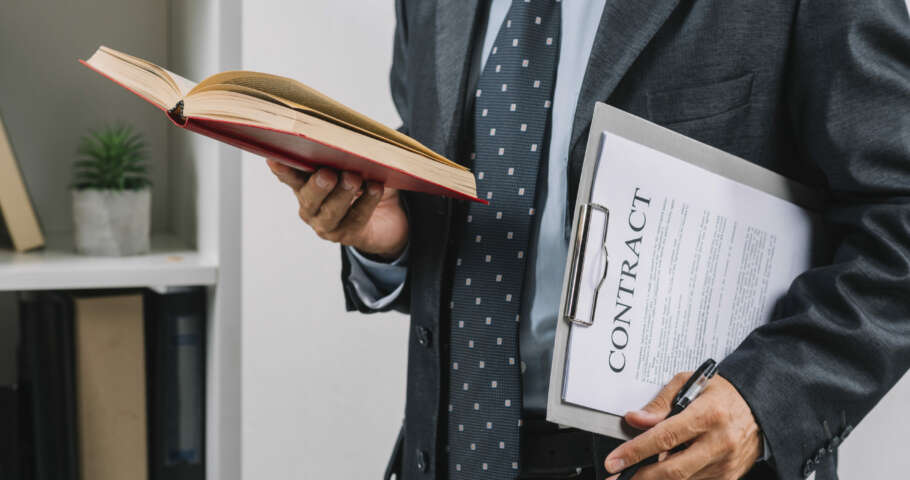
(615, 465)
(321, 181)
(374, 190)
(347, 182)
(645, 414)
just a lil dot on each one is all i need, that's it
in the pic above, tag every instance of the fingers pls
(329, 202)
(363, 208)
(680, 466)
(289, 176)
(336, 204)
(662, 435)
(720, 430)
(658, 408)
(666, 435)
(314, 192)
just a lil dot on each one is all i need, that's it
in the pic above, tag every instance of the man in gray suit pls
(817, 90)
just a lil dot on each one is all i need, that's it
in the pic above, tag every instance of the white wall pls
(194, 163)
(879, 446)
(323, 390)
(48, 100)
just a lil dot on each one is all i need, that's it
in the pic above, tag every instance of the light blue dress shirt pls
(379, 284)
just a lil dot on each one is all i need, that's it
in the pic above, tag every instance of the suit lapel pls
(626, 27)
(454, 24)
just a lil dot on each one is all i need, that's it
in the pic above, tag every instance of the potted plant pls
(112, 194)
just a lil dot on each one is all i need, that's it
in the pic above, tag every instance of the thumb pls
(659, 407)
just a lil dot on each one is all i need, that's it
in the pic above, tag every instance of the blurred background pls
(294, 387)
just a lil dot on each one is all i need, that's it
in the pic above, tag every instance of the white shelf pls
(58, 267)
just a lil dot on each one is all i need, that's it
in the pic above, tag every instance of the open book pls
(284, 119)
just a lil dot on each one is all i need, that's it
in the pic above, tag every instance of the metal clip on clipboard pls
(580, 248)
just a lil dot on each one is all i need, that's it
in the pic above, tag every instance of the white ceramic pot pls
(112, 222)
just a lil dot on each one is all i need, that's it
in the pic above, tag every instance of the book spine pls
(46, 326)
(110, 366)
(176, 324)
(176, 114)
(17, 210)
(9, 434)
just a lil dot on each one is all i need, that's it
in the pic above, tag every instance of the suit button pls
(808, 468)
(424, 336)
(819, 455)
(421, 461)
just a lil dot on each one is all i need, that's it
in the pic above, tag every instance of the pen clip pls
(698, 379)
(579, 249)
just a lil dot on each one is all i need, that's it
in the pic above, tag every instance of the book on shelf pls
(9, 433)
(110, 385)
(175, 340)
(17, 214)
(47, 387)
(284, 119)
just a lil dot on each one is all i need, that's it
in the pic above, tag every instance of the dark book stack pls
(9, 432)
(47, 385)
(39, 435)
(175, 349)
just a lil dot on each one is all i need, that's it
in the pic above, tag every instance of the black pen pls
(694, 386)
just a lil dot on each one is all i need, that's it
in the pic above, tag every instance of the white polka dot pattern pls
(511, 114)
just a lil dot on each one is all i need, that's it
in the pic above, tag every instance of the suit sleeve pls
(351, 271)
(841, 336)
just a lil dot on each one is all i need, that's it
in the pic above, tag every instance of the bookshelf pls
(48, 101)
(170, 263)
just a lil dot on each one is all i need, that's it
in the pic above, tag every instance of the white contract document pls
(679, 265)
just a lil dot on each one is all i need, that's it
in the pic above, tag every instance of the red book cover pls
(299, 150)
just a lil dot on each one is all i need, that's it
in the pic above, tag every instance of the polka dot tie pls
(511, 114)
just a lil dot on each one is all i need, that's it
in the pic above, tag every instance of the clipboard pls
(576, 312)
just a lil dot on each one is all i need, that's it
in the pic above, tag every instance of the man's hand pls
(370, 220)
(722, 436)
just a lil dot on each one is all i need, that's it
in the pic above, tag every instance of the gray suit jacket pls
(817, 90)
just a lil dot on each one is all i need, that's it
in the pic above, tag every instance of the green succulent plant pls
(112, 158)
